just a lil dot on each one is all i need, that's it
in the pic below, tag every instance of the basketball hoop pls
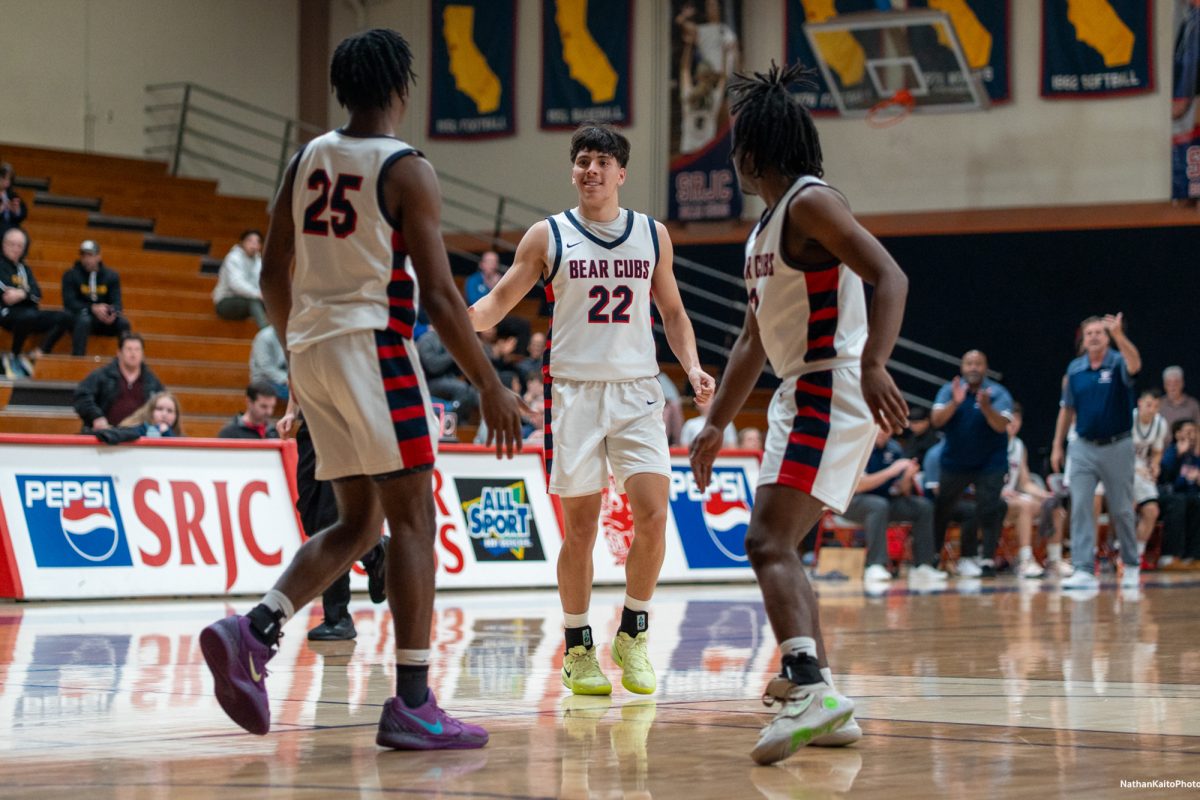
(891, 110)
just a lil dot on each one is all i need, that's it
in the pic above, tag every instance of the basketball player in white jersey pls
(358, 212)
(604, 405)
(804, 269)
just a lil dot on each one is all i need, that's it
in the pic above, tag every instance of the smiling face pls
(596, 176)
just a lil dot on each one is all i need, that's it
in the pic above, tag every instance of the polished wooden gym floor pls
(994, 689)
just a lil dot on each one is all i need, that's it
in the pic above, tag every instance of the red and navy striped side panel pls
(401, 291)
(822, 313)
(547, 386)
(810, 431)
(404, 399)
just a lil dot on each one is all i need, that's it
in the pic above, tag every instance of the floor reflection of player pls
(600, 747)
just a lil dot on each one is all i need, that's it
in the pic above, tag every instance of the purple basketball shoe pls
(426, 727)
(238, 662)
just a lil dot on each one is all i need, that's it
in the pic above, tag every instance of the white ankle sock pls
(1025, 554)
(1054, 552)
(575, 620)
(279, 603)
(634, 604)
(1141, 548)
(412, 658)
(799, 644)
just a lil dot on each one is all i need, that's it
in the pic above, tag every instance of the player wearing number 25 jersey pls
(358, 214)
(604, 407)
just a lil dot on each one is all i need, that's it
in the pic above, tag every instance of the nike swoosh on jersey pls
(572, 244)
(435, 728)
(254, 674)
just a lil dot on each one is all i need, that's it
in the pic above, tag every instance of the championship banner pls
(1097, 48)
(473, 74)
(1185, 110)
(705, 52)
(982, 28)
(586, 56)
(817, 97)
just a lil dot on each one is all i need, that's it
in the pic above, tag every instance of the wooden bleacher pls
(167, 297)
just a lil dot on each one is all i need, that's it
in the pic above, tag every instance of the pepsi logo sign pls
(712, 524)
(73, 521)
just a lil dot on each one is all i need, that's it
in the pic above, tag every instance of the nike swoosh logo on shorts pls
(254, 675)
(649, 402)
(435, 728)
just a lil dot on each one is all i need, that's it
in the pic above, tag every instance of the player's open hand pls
(887, 405)
(703, 453)
(501, 409)
(703, 384)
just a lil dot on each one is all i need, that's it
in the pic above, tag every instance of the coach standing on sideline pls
(1098, 397)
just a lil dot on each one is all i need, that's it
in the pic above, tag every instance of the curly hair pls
(368, 66)
(771, 129)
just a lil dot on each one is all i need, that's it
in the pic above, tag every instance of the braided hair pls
(771, 129)
(368, 66)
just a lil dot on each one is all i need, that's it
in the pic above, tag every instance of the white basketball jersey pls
(810, 317)
(352, 267)
(599, 290)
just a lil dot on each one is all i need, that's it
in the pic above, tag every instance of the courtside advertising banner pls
(1097, 48)
(585, 62)
(472, 73)
(706, 531)
(705, 52)
(88, 520)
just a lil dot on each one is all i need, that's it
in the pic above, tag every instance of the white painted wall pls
(74, 70)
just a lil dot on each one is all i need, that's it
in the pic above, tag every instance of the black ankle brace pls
(801, 669)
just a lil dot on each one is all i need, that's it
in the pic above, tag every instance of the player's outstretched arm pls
(528, 265)
(746, 361)
(823, 216)
(413, 179)
(678, 327)
(275, 282)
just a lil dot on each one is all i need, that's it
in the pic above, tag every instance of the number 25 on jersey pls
(342, 216)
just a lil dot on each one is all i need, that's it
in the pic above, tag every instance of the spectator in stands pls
(1023, 496)
(885, 493)
(236, 295)
(1175, 404)
(91, 294)
(1180, 476)
(268, 362)
(750, 439)
(119, 388)
(920, 437)
(19, 311)
(1098, 399)
(12, 208)
(692, 428)
(531, 365)
(973, 412)
(1150, 433)
(533, 425)
(503, 350)
(159, 416)
(484, 279)
(672, 409)
(255, 421)
(443, 377)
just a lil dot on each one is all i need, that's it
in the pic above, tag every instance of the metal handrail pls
(283, 145)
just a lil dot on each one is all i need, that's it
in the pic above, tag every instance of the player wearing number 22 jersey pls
(357, 217)
(600, 263)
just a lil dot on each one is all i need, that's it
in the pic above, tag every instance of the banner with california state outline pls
(586, 47)
(1185, 105)
(1097, 48)
(817, 97)
(472, 73)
